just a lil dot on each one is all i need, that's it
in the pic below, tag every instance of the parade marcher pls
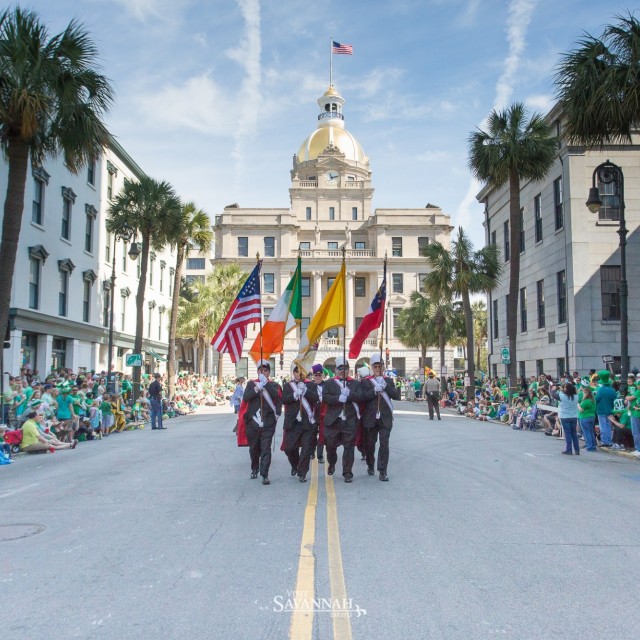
(317, 371)
(431, 392)
(263, 398)
(377, 416)
(299, 398)
(341, 395)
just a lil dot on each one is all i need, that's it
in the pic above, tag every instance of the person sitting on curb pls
(34, 442)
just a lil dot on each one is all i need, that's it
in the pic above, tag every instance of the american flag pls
(339, 47)
(245, 309)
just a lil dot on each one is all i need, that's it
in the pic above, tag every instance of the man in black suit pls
(155, 402)
(377, 416)
(264, 406)
(341, 395)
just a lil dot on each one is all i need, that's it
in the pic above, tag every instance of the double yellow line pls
(302, 616)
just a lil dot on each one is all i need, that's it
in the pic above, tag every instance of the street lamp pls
(609, 173)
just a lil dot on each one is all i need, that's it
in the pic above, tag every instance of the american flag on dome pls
(340, 47)
(245, 309)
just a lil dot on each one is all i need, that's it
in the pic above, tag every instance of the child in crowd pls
(107, 414)
(94, 418)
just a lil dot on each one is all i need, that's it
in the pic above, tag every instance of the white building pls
(569, 306)
(331, 207)
(59, 314)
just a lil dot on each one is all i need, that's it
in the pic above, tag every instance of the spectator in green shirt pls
(34, 442)
(587, 417)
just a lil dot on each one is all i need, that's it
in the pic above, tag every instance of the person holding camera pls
(431, 391)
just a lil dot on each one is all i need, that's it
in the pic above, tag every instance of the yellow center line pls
(341, 621)
(302, 616)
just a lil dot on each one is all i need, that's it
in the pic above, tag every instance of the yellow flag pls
(331, 314)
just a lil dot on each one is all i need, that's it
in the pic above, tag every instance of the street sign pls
(506, 355)
(134, 360)
(607, 359)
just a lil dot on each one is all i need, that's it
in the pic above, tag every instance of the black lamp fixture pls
(134, 250)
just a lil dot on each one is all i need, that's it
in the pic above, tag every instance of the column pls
(317, 290)
(45, 347)
(72, 357)
(95, 356)
(12, 357)
(350, 298)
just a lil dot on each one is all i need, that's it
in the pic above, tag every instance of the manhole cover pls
(17, 531)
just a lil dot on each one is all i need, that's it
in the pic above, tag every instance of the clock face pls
(332, 176)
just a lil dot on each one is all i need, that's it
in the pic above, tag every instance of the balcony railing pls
(353, 184)
(337, 253)
(309, 184)
(334, 343)
(330, 114)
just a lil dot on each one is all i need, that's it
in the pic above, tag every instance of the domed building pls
(330, 209)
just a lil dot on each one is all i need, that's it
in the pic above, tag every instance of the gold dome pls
(325, 136)
(331, 91)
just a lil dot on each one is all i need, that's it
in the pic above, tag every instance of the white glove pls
(296, 394)
(259, 385)
(381, 381)
(263, 379)
(342, 398)
(378, 387)
(345, 392)
(302, 389)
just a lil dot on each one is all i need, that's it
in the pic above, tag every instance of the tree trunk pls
(220, 367)
(471, 365)
(514, 275)
(142, 284)
(173, 322)
(18, 158)
(202, 346)
(442, 341)
(423, 354)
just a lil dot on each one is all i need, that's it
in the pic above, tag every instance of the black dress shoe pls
(266, 481)
(313, 455)
(321, 460)
(348, 477)
(294, 472)
(566, 453)
(331, 469)
(370, 471)
(384, 477)
(254, 475)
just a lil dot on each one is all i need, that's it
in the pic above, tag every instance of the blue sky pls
(216, 96)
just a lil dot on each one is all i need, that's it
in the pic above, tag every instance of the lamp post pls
(610, 173)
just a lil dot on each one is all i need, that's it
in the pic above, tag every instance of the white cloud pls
(541, 102)
(143, 9)
(468, 17)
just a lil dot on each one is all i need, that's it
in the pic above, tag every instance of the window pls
(422, 281)
(308, 213)
(423, 243)
(106, 309)
(68, 198)
(305, 246)
(396, 247)
(561, 367)
(151, 308)
(163, 265)
(86, 300)
(562, 297)
(243, 247)
(360, 287)
(523, 310)
(330, 281)
(507, 255)
(267, 312)
(172, 274)
(268, 283)
(495, 319)
(494, 368)
(107, 247)
(124, 294)
(522, 370)
(541, 310)
(354, 213)
(152, 264)
(610, 196)
(557, 201)
(91, 172)
(537, 208)
(332, 246)
(506, 314)
(269, 247)
(124, 258)
(522, 245)
(399, 365)
(196, 263)
(305, 287)
(58, 353)
(360, 246)
(494, 240)
(160, 313)
(332, 333)
(110, 174)
(359, 320)
(610, 292)
(38, 201)
(63, 292)
(332, 213)
(195, 280)
(539, 368)
(304, 324)
(398, 283)
(396, 320)
(91, 213)
(34, 283)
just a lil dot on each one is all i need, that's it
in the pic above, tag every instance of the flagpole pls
(331, 61)
(260, 299)
(344, 326)
(384, 313)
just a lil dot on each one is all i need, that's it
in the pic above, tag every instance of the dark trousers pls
(371, 438)
(340, 433)
(260, 440)
(433, 403)
(298, 446)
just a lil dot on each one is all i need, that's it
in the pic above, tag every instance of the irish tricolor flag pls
(285, 316)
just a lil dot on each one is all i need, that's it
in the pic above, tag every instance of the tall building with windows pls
(61, 294)
(330, 209)
(569, 298)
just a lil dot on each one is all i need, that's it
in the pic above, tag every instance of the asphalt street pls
(482, 532)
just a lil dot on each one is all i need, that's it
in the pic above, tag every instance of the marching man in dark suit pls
(317, 372)
(341, 395)
(299, 398)
(377, 416)
(264, 406)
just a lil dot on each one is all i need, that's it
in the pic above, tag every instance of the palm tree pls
(435, 320)
(598, 84)
(462, 272)
(480, 335)
(194, 230)
(200, 316)
(52, 100)
(152, 209)
(513, 148)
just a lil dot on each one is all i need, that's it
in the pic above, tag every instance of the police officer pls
(299, 398)
(341, 395)
(378, 392)
(264, 406)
